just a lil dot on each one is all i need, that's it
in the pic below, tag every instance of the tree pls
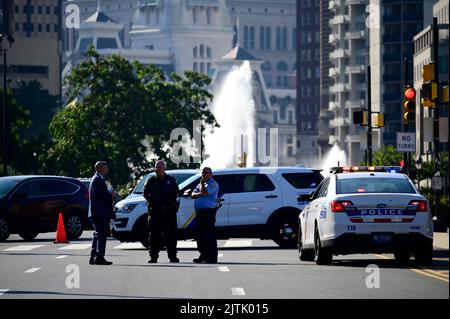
(17, 119)
(41, 106)
(387, 156)
(115, 105)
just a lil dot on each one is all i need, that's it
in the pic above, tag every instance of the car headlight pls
(125, 208)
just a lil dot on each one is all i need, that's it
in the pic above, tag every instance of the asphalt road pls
(247, 268)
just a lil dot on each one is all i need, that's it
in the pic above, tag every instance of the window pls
(374, 185)
(294, 39)
(47, 10)
(16, 9)
(195, 67)
(266, 66)
(49, 188)
(85, 43)
(195, 52)
(284, 39)
(278, 39)
(303, 180)
(252, 38)
(31, 189)
(324, 189)
(262, 41)
(268, 38)
(282, 66)
(39, 27)
(47, 27)
(39, 9)
(106, 43)
(202, 50)
(255, 183)
(246, 37)
(208, 52)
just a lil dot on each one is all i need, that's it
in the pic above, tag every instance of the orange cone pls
(61, 231)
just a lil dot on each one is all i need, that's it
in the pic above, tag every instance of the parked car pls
(255, 202)
(87, 181)
(30, 205)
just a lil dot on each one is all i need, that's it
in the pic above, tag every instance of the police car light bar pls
(350, 169)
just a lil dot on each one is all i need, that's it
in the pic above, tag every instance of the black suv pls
(31, 204)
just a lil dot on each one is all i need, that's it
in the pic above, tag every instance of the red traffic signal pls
(409, 93)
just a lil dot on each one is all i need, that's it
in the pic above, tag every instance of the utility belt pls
(163, 208)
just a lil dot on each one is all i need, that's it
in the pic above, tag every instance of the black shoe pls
(92, 260)
(174, 260)
(102, 261)
(153, 261)
(198, 260)
(211, 261)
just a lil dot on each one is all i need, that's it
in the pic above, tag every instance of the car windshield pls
(374, 185)
(6, 186)
(180, 178)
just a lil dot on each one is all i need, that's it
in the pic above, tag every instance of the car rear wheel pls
(323, 256)
(304, 254)
(285, 231)
(74, 225)
(28, 236)
(4, 229)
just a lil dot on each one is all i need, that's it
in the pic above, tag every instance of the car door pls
(314, 208)
(56, 195)
(28, 211)
(186, 212)
(253, 199)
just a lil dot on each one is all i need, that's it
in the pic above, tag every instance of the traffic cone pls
(61, 231)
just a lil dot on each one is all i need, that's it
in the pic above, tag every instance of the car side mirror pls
(20, 196)
(305, 197)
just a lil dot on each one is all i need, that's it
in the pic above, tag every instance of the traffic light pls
(379, 120)
(445, 94)
(409, 104)
(429, 92)
(360, 118)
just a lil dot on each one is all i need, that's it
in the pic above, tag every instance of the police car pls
(366, 210)
(254, 203)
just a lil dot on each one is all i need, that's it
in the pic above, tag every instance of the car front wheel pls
(304, 254)
(323, 256)
(74, 226)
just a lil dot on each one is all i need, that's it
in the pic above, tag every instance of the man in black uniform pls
(161, 192)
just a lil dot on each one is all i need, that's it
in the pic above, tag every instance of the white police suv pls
(255, 202)
(366, 210)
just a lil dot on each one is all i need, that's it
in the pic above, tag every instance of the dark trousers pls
(101, 227)
(163, 225)
(206, 234)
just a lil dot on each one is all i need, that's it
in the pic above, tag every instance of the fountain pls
(335, 157)
(234, 110)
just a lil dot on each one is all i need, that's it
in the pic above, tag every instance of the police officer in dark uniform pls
(161, 192)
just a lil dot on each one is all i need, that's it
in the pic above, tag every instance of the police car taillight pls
(340, 206)
(422, 206)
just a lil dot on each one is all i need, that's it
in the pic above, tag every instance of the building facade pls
(349, 58)
(390, 44)
(35, 54)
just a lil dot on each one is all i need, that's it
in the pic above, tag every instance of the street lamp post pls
(10, 40)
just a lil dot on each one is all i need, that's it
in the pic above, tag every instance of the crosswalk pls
(235, 243)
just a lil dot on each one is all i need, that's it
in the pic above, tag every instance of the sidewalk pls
(440, 240)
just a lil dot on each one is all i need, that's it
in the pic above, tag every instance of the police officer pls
(161, 192)
(205, 205)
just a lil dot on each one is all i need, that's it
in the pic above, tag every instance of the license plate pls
(381, 237)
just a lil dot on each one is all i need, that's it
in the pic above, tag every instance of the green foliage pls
(115, 106)
(387, 156)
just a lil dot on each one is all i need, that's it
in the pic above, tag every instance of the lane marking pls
(61, 257)
(238, 291)
(187, 244)
(238, 243)
(23, 248)
(76, 247)
(220, 256)
(129, 246)
(423, 271)
(3, 291)
(31, 270)
(224, 269)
